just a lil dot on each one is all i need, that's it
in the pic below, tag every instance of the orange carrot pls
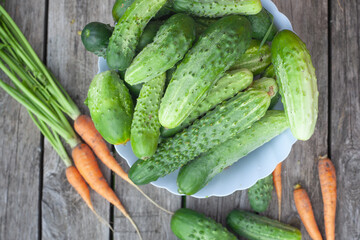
(327, 175)
(86, 164)
(278, 186)
(304, 208)
(85, 127)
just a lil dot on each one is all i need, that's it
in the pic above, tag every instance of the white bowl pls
(244, 173)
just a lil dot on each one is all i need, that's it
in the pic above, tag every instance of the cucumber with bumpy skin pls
(255, 59)
(127, 32)
(221, 44)
(261, 23)
(269, 72)
(259, 194)
(220, 8)
(188, 224)
(145, 127)
(170, 44)
(111, 107)
(297, 83)
(226, 87)
(218, 125)
(269, 85)
(256, 227)
(148, 34)
(95, 37)
(197, 173)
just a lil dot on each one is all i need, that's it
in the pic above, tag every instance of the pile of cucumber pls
(182, 86)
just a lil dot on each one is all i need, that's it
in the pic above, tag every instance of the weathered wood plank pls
(65, 215)
(345, 114)
(309, 19)
(20, 142)
(152, 222)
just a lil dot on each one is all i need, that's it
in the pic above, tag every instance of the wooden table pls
(36, 202)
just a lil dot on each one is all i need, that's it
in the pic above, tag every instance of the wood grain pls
(345, 114)
(20, 142)
(65, 215)
(309, 19)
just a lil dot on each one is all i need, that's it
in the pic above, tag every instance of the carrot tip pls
(297, 186)
(323, 157)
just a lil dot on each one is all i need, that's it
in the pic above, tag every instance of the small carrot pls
(86, 164)
(278, 186)
(327, 175)
(304, 208)
(85, 127)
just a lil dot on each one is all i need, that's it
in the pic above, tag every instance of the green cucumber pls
(256, 227)
(211, 8)
(261, 23)
(197, 173)
(188, 224)
(218, 125)
(269, 85)
(218, 47)
(127, 32)
(145, 127)
(95, 37)
(255, 59)
(259, 194)
(269, 72)
(134, 90)
(170, 44)
(297, 82)
(226, 87)
(121, 6)
(148, 34)
(111, 107)
(202, 24)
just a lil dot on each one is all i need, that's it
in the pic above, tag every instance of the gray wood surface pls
(345, 114)
(20, 142)
(300, 166)
(40, 204)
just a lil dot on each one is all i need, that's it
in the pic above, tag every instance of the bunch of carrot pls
(47, 103)
(327, 176)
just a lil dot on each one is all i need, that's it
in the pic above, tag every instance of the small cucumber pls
(261, 23)
(218, 47)
(95, 37)
(269, 85)
(170, 44)
(218, 125)
(297, 82)
(148, 34)
(111, 107)
(197, 173)
(256, 227)
(226, 87)
(188, 224)
(127, 32)
(255, 59)
(121, 6)
(145, 128)
(269, 72)
(134, 90)
(259, 194)
(211, 8)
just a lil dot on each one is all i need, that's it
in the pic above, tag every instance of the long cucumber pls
(221, 44)
(218, 125)
(197, 173)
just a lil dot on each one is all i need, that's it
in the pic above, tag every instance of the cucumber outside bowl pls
(244, 173)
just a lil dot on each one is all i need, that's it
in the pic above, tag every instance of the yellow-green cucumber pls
(259, 194)
(297, 82)
(226, 87)
(255, 59)
(127, 32)
(220, 45)
(188, 224)
(111, 107)
(220, 8)
(170, 44)
(218, 125)
(255, 227)
(145, 127)
(197, 173)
